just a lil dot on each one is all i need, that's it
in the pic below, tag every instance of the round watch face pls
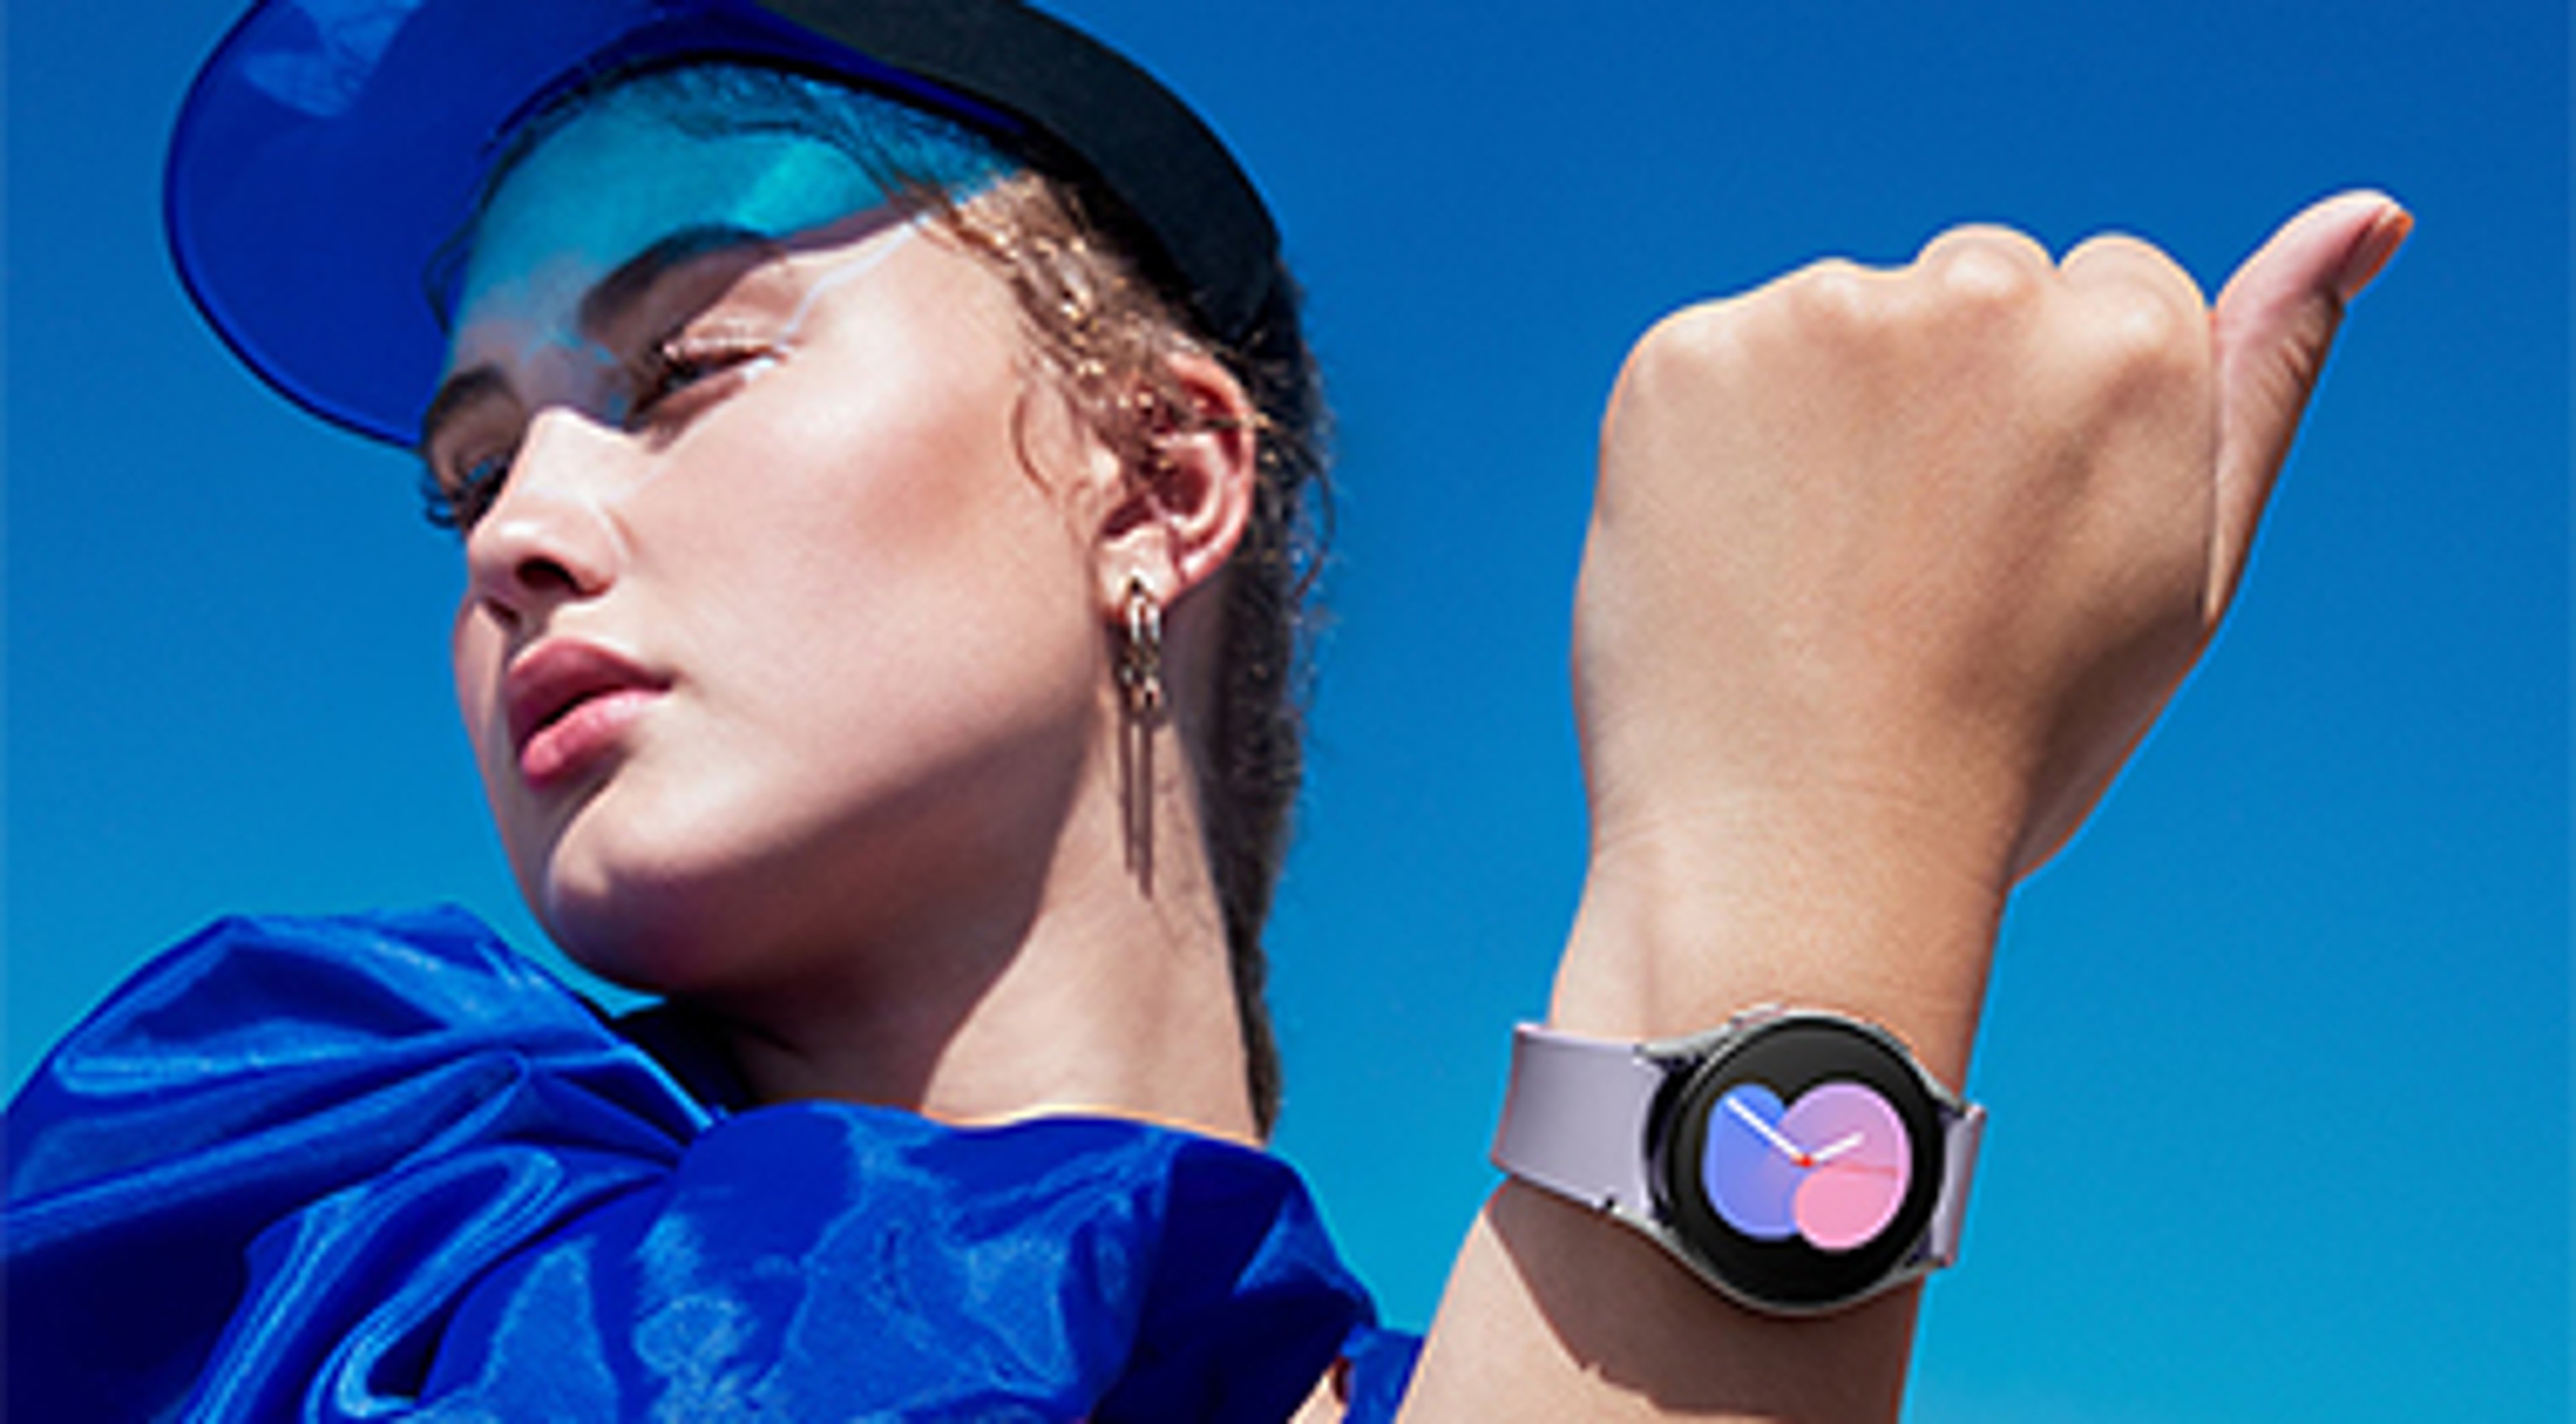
(1804, 1162)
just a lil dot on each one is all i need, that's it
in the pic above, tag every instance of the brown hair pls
(1106, 331)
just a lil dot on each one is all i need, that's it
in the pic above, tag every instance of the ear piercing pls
(1140, 657)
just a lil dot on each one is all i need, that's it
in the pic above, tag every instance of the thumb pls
(2272, 327)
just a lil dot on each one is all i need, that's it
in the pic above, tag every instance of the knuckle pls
(2120, 255)
(2143, 330)
(1681, 354)
(1833, 296)
(1682, 342)
(1982, 277)
(1983, 267)
(2116, 250)
(2141, 340)
(2139, 302)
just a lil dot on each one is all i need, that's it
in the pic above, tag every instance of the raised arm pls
(1889, 572)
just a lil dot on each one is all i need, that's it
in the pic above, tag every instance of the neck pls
(1098, 983)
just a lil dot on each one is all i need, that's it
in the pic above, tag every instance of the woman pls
(914, 759)
(879, 637)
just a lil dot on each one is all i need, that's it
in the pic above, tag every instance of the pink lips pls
(569, 703)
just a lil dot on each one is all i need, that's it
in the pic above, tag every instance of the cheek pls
(900, 479)
(475, 651)
(470, 657)
(903, 573)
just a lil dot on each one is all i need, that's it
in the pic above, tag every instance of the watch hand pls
(1835, 1149)
(1769, 1133)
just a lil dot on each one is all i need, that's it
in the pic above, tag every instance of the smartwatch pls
(1799, 1161)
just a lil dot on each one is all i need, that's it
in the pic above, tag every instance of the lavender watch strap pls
(1964, 1126)
(1574, 1119)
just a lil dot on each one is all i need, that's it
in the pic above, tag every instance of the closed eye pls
(461, 492)
(678, 376)
(468, 440)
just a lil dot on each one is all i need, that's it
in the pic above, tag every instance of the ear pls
(1178, 516)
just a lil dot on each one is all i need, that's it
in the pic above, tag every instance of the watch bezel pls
(1791, 1052)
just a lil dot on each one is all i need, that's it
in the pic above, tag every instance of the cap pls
(330, 149)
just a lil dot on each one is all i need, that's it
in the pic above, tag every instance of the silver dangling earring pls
(1140, 659)
(1140, 682)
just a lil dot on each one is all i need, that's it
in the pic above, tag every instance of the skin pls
(1889, 572)
(865, 806)
(1947, 538)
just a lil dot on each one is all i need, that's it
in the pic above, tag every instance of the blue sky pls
(2277, 1053)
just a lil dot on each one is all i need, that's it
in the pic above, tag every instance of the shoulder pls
(381, 976)
(259, 1019)
(330, 1127)
(441, 963)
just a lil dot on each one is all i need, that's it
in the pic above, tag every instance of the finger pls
(1984, 259)
(2140, 305)
(2273, 325)
(2118, 260)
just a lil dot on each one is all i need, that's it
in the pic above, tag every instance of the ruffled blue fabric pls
(382, 1167)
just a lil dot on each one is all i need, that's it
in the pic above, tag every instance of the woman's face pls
(780, 631)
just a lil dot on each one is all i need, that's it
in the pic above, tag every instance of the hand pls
(1767, 1132)
(1912, 559)
(1888, 573)
(1832, 1150)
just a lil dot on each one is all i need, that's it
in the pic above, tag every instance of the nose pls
(547, 537)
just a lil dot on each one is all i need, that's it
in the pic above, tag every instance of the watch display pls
(1801, 1162)
(1830, 1169)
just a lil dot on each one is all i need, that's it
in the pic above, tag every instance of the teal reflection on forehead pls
(665, 156)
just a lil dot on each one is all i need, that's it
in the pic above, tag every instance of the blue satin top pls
(382, 1167)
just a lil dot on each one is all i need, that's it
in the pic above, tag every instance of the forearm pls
(1555, 1313)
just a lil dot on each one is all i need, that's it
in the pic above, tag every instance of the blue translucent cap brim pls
(682, 155)
(332, 151)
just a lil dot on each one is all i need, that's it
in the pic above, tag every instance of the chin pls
(625, 887)
(708, 917)
(640, 922)
(737, 885)
(629, 940)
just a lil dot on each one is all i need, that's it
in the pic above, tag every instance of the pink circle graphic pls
(1858, 1166)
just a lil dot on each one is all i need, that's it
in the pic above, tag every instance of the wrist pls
(1886, 913)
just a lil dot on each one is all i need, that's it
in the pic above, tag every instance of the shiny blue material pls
(381, 1167)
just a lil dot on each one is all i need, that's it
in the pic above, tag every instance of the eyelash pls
(458, 501)
(673, 367)
(682, 363)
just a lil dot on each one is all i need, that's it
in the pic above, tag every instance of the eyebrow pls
(603, 307)
(620, 292)
(455, 393)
